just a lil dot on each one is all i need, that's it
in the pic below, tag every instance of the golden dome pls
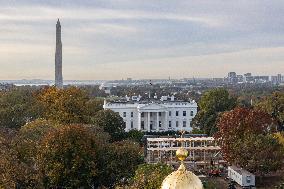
(181, 154)
(182, 179)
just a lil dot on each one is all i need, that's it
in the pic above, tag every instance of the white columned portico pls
(139, 122)
(157, 123)
(148, 120)
(166, 124)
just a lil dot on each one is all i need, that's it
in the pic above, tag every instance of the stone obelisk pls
(58, 57)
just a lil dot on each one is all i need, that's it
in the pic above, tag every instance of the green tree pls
(245, 137)
(111, 122)
(211, 105)
(260, 154)
(67, 157)
(134, 135)
(274, 105)
(150, 176)
(17, 107)
(118, 162)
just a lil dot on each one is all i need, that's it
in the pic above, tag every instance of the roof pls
(240, 170)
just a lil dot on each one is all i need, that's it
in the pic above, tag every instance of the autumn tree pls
(211, 104)
(111, 122)
(8, 160)
(67, 157)
(64, 105)
(245, 137)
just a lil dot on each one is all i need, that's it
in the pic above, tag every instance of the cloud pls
(113, 38)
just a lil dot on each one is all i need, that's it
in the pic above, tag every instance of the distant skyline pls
(115, 39)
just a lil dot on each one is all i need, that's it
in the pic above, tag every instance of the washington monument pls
(58, 57)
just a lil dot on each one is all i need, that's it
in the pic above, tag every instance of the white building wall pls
(168, 114)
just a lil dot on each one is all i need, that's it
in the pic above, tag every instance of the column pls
(148, 120)
(166, 124)
(157, 127)
(139, 122)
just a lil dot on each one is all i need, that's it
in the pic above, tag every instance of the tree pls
(67, 157)
(280, 137)
(212, 103)
(134, 135)
(260, 154)
(274, 105)
(150, 176)
(111, 122)
(17, 107)
(244, 136)
(7, 157)
(64, 105)
(119, 162)
(94, 105)
(26, 145)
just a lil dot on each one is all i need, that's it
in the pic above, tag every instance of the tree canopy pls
(111, 122)
(67, 157)
(245, 137)
(211, 104)
(274, 105)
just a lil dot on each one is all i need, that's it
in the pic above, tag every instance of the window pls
(131, 124)
(142, 125)
(248, 179)
(142, 114)
(184, 123)
(170, 113)
(160, 114)
(160, 124)
(131, 114)
(176, 123)
(170, 123)
(150, 113)
(124, 114)
(176, 113)
(184, 113)
(191, 113)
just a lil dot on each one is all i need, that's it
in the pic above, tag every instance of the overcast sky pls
(115, 39)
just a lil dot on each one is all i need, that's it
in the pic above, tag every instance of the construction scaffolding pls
(203, 151)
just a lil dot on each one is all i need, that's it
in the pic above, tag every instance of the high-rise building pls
(58, 57)
(279, 78)
(232, 77)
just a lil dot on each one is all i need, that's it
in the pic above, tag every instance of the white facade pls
(241, 176)
(155, 116)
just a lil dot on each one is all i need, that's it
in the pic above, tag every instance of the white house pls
(241, 176)
(154, 114)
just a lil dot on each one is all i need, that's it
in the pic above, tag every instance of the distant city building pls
(232, 74)
(277, 79)
(58, 57)
(232, 77)
(240, 78)
(156, 115)
(261, 79)
(106, 87)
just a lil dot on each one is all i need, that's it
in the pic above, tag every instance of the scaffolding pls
(203, 151)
